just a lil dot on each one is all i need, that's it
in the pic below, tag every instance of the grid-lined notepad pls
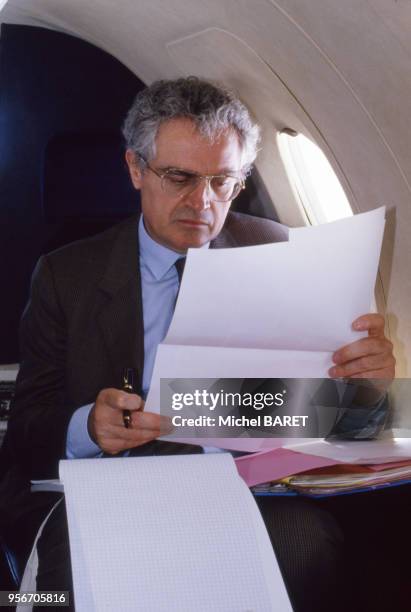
(170, 533)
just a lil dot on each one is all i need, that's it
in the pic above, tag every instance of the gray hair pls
(210, 106)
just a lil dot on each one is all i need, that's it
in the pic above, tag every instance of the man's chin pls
(193, 238)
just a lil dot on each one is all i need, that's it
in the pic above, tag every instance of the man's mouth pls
(193, 222)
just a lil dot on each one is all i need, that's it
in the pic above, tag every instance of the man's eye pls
(179, 177)
(222, 181)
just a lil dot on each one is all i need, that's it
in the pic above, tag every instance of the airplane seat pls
(10, 570)
(85, 189)
(85, 186)
(52, 84)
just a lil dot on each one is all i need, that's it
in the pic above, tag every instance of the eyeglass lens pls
(224, 188)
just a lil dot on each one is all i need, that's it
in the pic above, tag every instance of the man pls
(105, 303)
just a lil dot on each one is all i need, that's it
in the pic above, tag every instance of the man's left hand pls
(370, 357)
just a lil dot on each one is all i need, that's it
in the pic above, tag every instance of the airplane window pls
(315, 184)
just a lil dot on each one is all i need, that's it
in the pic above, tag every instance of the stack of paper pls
(169, 533)
(350, 478)
(323, 467)
(386, 449)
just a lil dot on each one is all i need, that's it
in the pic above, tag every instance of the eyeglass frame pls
(207, 177)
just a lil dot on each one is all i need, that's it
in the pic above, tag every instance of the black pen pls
(129, 386)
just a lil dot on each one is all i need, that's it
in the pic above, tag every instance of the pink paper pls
(246, 445)
(277, 463)
(249, 445)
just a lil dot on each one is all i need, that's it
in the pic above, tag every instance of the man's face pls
(194, 219)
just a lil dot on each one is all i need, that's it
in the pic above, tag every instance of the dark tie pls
(179, 264)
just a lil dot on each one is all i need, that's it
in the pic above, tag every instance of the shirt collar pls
(158, 258)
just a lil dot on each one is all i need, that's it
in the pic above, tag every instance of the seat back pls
(10, 571)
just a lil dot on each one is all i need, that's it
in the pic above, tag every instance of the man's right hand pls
(106, 426)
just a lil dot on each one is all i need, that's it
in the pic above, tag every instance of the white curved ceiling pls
(367, 44)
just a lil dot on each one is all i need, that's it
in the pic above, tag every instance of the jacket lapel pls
(121, 315)
(225, 238)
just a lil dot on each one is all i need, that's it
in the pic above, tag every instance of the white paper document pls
(275, 310)
(384, 450)
(169, 533)
(300, 295)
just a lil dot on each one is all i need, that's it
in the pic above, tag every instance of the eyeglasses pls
(178, 183)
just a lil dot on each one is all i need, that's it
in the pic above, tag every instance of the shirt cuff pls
(361, 423)
(79, 445)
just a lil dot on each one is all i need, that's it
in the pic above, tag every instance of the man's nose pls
(200, 197)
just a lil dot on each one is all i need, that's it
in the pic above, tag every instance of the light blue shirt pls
(159, 284)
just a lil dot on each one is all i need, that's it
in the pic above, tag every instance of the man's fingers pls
(106, 425)
(121, 438)
(360, 348)
(374, 323)
(367, 364)
(140, 421)
(150, 420)
(368, 357)
(120, 400)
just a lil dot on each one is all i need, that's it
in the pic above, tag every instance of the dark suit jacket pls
(82, 325)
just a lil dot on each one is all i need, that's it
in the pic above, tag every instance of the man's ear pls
(134, 169)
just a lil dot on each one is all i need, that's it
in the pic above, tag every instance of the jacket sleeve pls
(355, 420)
(39, 418)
